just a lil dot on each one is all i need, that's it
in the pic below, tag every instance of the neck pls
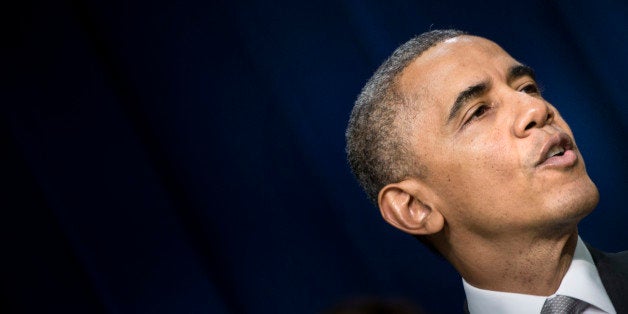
(528, 265)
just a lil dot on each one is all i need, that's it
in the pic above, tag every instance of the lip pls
(568, 158)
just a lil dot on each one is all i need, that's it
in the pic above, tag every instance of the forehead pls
(453, 65)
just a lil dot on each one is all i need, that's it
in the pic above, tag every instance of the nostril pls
(530, 125)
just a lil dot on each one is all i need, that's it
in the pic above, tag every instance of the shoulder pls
(618, 259)
(619, 256)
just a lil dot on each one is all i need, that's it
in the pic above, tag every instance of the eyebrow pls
(519, 70)
(471, 92)
(477, 90)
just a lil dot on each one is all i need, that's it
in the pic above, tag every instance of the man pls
(454, 142)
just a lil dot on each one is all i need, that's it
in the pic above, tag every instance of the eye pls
(530, 88)
(478, 112)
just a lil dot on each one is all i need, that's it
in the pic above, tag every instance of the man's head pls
(460, 143)
(377, 150)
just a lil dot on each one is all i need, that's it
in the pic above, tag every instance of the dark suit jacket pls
(613, 270)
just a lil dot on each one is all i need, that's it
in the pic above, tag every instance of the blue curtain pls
(188, 156)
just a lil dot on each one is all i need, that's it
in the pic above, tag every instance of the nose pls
(532, 112)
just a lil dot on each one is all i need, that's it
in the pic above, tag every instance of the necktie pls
(562, 304)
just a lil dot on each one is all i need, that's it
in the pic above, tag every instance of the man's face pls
(500, 158)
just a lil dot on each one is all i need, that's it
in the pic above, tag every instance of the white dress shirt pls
(581, 281)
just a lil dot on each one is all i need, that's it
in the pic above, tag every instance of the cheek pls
(486, 157)
(494, 161)
(480, 170)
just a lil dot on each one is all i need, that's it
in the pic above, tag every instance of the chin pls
(577, 201)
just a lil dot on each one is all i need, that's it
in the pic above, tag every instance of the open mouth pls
(555, 151)
(558, 152)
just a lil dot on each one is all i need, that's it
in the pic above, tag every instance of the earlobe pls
(406, 205)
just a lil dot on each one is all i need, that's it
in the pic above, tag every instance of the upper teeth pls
(555, 151)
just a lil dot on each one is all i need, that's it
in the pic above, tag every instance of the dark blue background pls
(188, 156)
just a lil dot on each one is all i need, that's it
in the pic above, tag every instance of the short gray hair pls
(376, 149)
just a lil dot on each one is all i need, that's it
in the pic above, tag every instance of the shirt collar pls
(581, 281)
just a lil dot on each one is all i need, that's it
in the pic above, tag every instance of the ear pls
(410, 206)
